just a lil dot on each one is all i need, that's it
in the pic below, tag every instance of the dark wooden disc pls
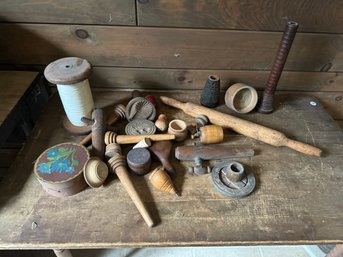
(78, 130)
(69, 70)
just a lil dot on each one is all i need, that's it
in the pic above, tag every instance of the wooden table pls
(298, 198)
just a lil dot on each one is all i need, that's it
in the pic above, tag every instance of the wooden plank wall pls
(176, 44)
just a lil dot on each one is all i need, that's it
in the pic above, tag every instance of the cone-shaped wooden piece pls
(161, 180)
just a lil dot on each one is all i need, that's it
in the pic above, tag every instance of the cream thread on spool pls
(70, 75)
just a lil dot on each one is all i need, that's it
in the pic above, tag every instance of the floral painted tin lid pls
(61, 163)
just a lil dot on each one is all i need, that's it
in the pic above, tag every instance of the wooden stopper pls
(161, 180)
(211, 134)
(161, 123)
(139, 161)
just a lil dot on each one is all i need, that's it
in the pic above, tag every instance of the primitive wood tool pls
(98, 133)
(111, 137)
(161, 150)
(118, 166)
(244, 127)
(118, 113)
(209, 152)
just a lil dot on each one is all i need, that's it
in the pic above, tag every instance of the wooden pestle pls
(111, 137)
(117, 164)
(119, 113)
(244, 127)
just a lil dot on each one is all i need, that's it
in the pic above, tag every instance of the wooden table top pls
(13, 85)
(297, 200)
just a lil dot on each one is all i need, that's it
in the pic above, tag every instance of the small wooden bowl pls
(179, 129)
(95, 172)
(241, 98)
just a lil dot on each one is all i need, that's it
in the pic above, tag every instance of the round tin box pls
(59, 169)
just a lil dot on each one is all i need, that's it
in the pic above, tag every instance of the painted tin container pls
(59, 169)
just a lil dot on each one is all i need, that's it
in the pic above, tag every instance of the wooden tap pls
(118, 113)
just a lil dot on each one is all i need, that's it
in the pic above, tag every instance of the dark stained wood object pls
(161, 150)
(297, 199)
(98, 133)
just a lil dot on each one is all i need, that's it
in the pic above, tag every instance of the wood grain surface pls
(313, 16)
(297, 199)
(107, 12)
(188, 79)
(13, 85)
(167, 48)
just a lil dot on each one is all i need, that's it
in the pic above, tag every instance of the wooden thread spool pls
(161, 123)
(161, 180)
(241, 98)
(211, 134)
(117, 165)
(70, 75)
(112, 137)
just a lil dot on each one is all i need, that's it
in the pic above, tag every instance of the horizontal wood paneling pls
(195, 79)
(167, 48)
(312, 15)
(111, 12)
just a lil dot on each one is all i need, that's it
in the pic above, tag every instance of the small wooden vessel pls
(59, 169)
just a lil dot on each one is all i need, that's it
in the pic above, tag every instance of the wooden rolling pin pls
(111, 137)
(246, 128)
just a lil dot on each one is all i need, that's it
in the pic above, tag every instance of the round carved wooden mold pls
(60, 169)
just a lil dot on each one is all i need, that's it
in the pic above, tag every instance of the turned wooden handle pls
(132, 139)
(244, 127)
(124, 178)
(98, 132)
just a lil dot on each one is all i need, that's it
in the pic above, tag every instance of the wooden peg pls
(117, 164)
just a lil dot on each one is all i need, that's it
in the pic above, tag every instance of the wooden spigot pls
(119, 113)
(244, 127)
(117, 165)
